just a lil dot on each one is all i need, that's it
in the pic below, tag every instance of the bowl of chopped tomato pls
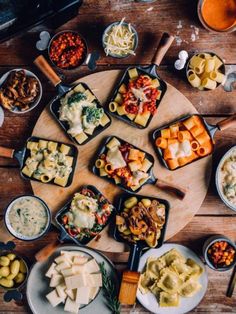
(67, 50)
(219, 253)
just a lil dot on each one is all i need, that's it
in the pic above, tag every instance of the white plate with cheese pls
(45, 293)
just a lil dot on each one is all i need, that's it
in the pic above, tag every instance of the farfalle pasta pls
(170, 277)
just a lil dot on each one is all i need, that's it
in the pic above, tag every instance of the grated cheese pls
(120, 40)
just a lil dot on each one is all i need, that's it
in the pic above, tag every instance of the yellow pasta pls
(122, 89)
(113, 143)
(32, 145)
(62, 181)
(121, 110)
(43, 144)
(203, 138)
(89, 96)
(27, 171)
(82, 137)
(142, 119)
(52, 146)
(218, 62)
(197, 64)
(210, 65)
(69, 160)
(100, 163)
(194, 80)
(165, 133)
(184, 135)
(161, 142)
(104, 120)
(189, 123)
(64, 149)
(196, 131)
(208, 83)
(79, 89)
(146, 165)
(46, 177)
(172, 163)
(113, 106)
(135, 165)
(217, 76)
(102, 172)
(90, 130)
(131, 116)
(118, 99)
(174, 129)
(155, 83)
(108, 168)
(133, 73)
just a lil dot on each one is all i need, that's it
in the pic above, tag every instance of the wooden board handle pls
(45, 252)
(6, 152)
(47, 70)
(227, 123)
(177, 190)
(129, 287)
(163, 46)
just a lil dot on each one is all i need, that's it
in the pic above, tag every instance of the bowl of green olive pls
(13, 274)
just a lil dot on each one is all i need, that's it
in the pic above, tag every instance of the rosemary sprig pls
(109, 290)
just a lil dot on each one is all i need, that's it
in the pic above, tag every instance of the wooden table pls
(150, 20)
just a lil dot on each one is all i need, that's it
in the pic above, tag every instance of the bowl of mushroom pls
(20, 90)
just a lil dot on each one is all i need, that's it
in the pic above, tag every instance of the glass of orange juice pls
(218, 15)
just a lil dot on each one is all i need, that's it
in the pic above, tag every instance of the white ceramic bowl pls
(30, 74)
(217, 179)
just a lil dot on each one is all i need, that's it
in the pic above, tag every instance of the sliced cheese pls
(67, 272)
(92, 266)
(71, 293)
(82, 295)
(56, 280)
(53, 298)
(78, 269)
(62, 259)
(71, 306)
(63, 265)
(61, 291)
(115, 158)
(94, 280)
(76, 281)
(51, 271)
(80, 260)
(93, 292)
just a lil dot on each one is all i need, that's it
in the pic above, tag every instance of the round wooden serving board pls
(195, 177)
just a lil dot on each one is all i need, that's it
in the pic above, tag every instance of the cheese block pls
(67, 272)
(62, 259)
(71, 293)
(94, 280)
(80, 260)
(76, 281)
(53, 298)
(61, 291)
(78, 269)
(56, 280)
(51, 271)
(93, 292)
(71, 306)
(92, 266)
(82, 295)
(63, 265)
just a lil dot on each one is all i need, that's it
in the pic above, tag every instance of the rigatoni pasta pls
(205, 71)
(189, 143)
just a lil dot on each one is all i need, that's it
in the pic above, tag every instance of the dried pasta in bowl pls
(205, 71)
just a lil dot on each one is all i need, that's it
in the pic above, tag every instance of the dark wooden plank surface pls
(150, 20)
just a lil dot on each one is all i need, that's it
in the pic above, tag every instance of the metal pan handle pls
(6, 152)
(177, 190)
(163, 46)
(47, 70)
(45, 252)
(227, 123)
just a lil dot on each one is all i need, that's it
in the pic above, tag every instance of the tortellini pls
(169, 277)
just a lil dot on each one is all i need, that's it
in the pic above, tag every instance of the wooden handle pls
(45, 252)
(163, 46)
(232, 284)
(178, 191)
(6, 152)
(47, 70)
(227, 123)
(129, 287)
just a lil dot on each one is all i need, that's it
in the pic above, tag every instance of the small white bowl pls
(30, 74)
(217, 179)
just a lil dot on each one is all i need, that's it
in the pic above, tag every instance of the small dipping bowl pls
(108, 29)
(229, 29)
(84, 53)
(208, 243)
(11, 207)
(23, 271)
(218, 178)
(38, 98)
(221, 68)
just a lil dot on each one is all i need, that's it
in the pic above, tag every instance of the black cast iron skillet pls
(151, 70)
(178, 191)
(64, 236)
(131, 275)
(62, 89)
(137, 247)
(22, 154)
(211, 130)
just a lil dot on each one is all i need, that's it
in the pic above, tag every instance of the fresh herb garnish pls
(18, 211)
(76, 97)
(109, 290)
(93, 114)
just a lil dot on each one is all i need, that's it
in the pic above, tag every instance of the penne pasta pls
(100, 163)
(197, 64)
(122, 89)
(209, 84)
(133, 73)
(203, 138)
(113, 106)
(217, 76)
(194, 145)
(184, 135)
(218, 63)
(189, 123)
(174, 129)
(118, 99)
(172, 163)
(196, 131)
(205, 149)
(108, 168)
(167, 154)
(210, 65)
(194, 80)
(121, 110)
(142, 119)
